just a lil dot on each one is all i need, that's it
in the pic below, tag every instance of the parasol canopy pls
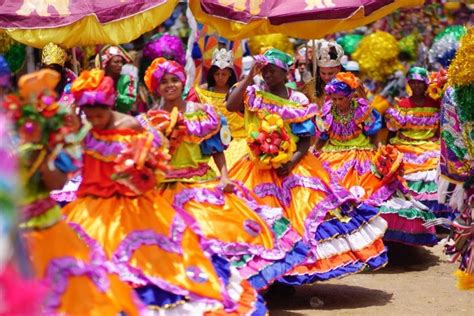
(70, 23)
(239, 19)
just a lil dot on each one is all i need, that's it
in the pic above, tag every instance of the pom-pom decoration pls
(377, 55)
(260, 43)
(446, 44)
(350, 42)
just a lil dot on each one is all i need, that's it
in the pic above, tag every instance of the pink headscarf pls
(93, 87)
(159, 68)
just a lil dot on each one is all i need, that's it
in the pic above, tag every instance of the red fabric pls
(429, 103)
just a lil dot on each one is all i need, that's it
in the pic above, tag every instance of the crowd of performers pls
(122, 213)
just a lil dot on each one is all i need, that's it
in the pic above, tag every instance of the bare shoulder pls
(124, 121)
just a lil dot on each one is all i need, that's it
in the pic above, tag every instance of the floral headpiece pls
(5, 73)
(419, 74)
(167, 46)
(53, 54)
(93, 87)
(37, 115)
(158, 69)
(323, 53)
(344, 84)
(107, 52)
(276, 57)
(223, 58)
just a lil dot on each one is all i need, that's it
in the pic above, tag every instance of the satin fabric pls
(80, 296)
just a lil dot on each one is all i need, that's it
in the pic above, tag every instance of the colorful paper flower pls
(270, 144)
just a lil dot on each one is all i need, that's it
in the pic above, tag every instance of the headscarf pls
(158, 69)
(93, 87)
(344, 84)
(276, 57)
(418, 73)
(109, 51)
(5, 73)
(53, 54)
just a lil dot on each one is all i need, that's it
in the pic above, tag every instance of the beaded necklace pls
(343, 118)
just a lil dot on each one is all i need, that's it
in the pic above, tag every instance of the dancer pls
(78, 280)
(220, 78)
(280, 173)
(416, 123)
(257, 239)
(119, 211)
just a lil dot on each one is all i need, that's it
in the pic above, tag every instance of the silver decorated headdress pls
(323, 57)
(223, 58)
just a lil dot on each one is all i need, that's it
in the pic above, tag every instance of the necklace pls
(343, 117)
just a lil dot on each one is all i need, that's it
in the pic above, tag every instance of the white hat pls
(223, 58)
(323, 48)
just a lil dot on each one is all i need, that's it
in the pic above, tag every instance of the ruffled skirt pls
(153, 249)
(313, 202)
(79, 280)
(257, 239)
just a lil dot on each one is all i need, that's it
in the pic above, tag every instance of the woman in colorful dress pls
(280, 172)
(257, 239)
(119, 213)
(220, 78)
(415, 122)
(77, 278)
(345, 126)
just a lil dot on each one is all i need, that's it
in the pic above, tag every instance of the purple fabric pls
(361, 167)
(338, 87)
(340, 129)
(204, 122)
(23, 15)
(420, 159)
(283, 11)
(166, 46)
(104, 148)
(402, 118)
(292, 114)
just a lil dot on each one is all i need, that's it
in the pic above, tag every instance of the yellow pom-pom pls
(465, 280)
(460, 71)
(377, 55)
(258, 44)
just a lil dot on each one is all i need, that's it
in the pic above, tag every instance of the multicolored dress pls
(238, 146)
(120, 215)
(456, 185)
(417, 139)
(258, 241)
(341, 237)
(78, 278)
(348, 152)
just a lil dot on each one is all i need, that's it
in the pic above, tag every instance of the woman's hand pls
(285, 169)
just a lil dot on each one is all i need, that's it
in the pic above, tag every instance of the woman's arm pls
(235, 99)
(52, 179)
(301, 150)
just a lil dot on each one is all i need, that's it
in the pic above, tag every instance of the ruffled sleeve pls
(303, 129)
(373, 124)
(219, 141)
(202, 122)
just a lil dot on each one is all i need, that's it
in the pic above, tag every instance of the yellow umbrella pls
(71, 23)
(239, 19)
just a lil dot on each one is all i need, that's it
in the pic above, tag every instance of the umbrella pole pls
(315, 64)
(74, 61)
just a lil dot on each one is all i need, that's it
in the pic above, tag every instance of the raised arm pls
(235, 98)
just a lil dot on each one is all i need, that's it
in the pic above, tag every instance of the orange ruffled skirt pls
(79, 282)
